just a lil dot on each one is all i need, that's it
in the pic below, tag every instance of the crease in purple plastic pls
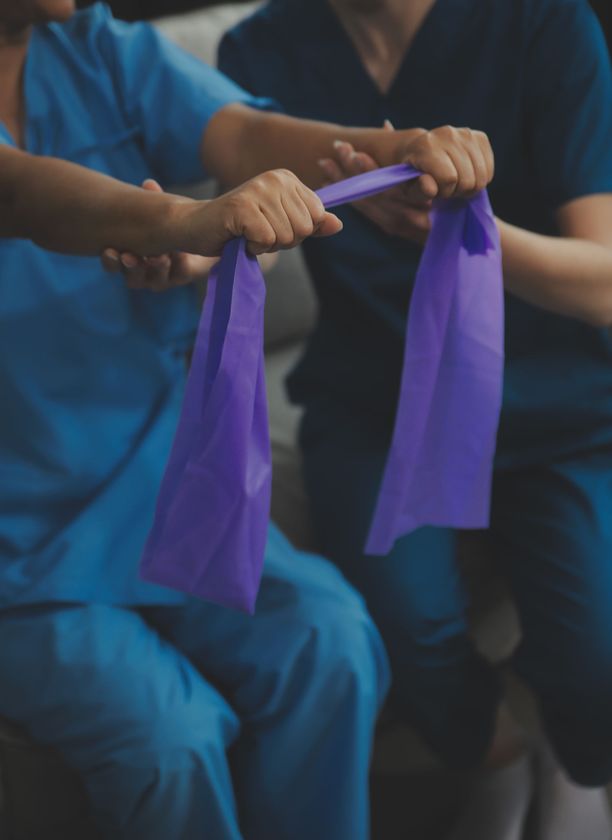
(210, 526)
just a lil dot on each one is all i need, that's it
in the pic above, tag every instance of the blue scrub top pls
(535, 75)
(91, 373)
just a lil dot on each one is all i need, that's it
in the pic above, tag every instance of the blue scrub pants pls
(552, 531)
(147, 703)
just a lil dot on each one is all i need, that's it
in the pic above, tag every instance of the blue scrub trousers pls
(552, 531)
(193, 722)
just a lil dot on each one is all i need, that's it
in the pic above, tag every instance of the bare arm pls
(239, 142)
(571, 275)
(67, 208)
(64, 207)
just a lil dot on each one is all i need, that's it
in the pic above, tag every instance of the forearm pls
(568, 276)
(67, 208)
(241, 142)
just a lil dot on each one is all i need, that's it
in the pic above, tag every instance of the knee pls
(322, 642)
(343, 648)
(187, 737)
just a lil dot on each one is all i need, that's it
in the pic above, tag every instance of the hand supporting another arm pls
(67, 208)
(570, 275)
(166, 271)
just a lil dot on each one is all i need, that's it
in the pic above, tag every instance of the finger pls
(466, 176)
(430, 155)
(329, 226)
(300, 217)
(157, 272)
(344, 154)
(260, 235)
(333, 173)
(351, 165)
(110, 261)
(190, 268)
(480, 167)
(314, 206)
(276, 213)
(421, 191)
(162, 262)
(135, 276)
(151, 185)
(364, 162)
(447, 176)
(487, 153)
(131, 261)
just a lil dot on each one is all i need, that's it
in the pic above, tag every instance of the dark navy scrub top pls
(91, 373)
(535, 75)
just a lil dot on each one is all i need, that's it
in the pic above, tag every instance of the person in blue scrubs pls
(143, 690)
(535, 76)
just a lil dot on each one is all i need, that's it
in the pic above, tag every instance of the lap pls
(307, 616)
(417, 587)
(97, 681)
(553, 529)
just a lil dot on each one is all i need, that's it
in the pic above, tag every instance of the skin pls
(64, 207)
(570, 275)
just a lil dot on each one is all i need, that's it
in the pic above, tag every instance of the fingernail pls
(338, 144)
(389, 124)
(129, 261)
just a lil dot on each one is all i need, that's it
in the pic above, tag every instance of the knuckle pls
(282, 176)
(318, 210)
(450, 176)
(428, 140)
(303, 229)
(446, 132)
(285, 238)
(267, 239)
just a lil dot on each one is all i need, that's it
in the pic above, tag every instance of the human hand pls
(393, 211)
(273, 211)
(161, 272)
(456, 163)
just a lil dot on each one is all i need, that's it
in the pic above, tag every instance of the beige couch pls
(39, 798)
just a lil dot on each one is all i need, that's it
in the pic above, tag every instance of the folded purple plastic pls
(440, 464)
(209, 532)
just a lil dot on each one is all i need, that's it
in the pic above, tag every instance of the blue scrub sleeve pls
(168, 95)
(568, 89)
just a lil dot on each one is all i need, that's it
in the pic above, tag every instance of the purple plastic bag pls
(209, 533)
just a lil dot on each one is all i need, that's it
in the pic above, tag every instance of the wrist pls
(175, 223)
(386, 147)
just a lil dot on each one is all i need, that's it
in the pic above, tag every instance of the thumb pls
(330, 225)
(151, 185)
